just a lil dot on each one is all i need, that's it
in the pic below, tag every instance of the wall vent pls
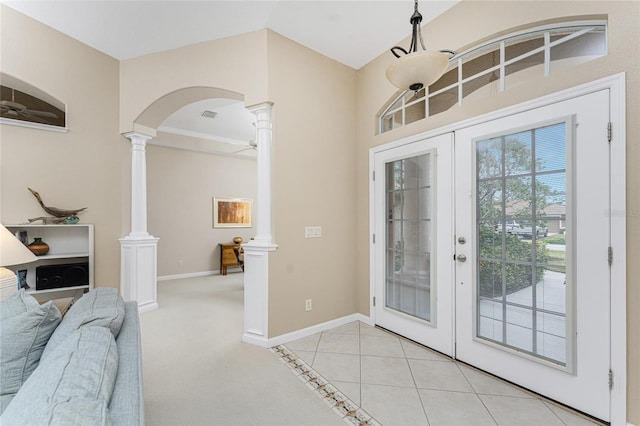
(209, 114)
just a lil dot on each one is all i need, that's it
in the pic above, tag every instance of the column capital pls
(137, 137)
(261, 107)
(263, 115)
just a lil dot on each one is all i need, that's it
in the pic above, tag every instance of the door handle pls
(461, 258)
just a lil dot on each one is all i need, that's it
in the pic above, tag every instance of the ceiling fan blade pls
(242, 150)
(8, 112)
(40, 113)
(35, 119)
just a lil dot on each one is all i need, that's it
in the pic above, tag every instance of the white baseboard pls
(305, 332)
(146, 307)
(188, 275)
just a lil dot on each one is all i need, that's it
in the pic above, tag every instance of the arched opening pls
(169, 123)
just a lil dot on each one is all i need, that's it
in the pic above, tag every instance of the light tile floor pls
(385, 379)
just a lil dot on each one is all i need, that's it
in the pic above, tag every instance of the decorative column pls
(256, 251)
(139, 250)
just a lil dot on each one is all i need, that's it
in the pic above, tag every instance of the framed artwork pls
(22, 236)
(232, 212)
(22, 279)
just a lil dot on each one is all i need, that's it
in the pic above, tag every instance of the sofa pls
(81, 369)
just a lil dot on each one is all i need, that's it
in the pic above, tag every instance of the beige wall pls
(237, 64)
(75, 169)
(181, 185)
(481, 20)
(324, 125)
(314, 154)
(314, 185)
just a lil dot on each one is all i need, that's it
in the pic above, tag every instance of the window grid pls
(566, 33)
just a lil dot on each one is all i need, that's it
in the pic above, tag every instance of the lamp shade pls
(12, 251)
(417, 69)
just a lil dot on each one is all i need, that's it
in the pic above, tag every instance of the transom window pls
(492, 67)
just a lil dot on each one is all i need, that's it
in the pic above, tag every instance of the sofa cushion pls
(78, 411)
(17, 303)
(76, 379)
(127, 401)
(100, 307)
(5, 400)
(22, 340)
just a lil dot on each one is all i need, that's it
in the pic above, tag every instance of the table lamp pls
(12, 252)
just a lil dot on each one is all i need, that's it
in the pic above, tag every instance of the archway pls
(139, 248)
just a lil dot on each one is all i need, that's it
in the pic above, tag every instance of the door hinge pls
(610, 379)
(374, 301)
(609, 131)
(610, 256)
(373, 175)
(374, 238)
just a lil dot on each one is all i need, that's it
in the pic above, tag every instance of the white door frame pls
(616, 86)
(439, 329)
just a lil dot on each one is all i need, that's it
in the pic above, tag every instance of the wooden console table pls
(230, 256)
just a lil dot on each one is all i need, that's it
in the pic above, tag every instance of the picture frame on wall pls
(230, 212)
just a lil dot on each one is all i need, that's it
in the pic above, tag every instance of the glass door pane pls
(520, 216)
(409, 193)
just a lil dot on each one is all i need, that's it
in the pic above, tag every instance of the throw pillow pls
(22, 341)
(17, 303)
(102, 306)
(72, 386)
(63, 304)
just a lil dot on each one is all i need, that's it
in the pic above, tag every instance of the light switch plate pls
(313, 232)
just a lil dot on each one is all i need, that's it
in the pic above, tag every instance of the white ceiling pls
(352, 32)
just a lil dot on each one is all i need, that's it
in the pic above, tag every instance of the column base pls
(139, 275)
(256, 292)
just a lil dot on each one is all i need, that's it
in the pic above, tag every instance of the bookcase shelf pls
(68, 244)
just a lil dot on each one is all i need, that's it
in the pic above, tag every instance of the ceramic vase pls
(38, 247)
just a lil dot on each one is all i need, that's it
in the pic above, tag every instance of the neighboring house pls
(324, 124)
(556, 214)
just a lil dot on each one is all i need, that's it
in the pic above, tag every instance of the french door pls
(507, 268)
(532, 279)
(414, 273)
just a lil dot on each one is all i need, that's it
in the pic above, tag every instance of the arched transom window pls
(501, 64)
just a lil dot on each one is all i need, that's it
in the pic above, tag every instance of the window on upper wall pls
(501, 64)
(22, 104)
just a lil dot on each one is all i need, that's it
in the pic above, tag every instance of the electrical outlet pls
(180, 263)
(307, 305)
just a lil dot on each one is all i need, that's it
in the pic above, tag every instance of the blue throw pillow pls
(102, 307)
(17, 303)
(22, 340)
(72, 386)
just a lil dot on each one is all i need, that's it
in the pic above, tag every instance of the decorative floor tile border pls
(341, 405)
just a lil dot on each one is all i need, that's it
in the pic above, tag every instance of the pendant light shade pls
(416, 70)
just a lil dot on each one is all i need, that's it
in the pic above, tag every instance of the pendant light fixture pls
(415, 70)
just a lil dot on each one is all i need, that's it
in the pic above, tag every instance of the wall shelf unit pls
(68, 245)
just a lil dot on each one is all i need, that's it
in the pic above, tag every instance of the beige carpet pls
(197, 371)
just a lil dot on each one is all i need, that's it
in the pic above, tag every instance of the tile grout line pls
(360, 362)
(475, 392)
(413, 377)
(350, 412)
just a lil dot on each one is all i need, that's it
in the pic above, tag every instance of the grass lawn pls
(557, 260)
